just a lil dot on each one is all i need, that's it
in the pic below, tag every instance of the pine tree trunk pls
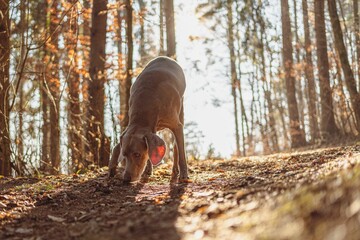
(296, 133)
(309, 74)
(170, 28)
(5, 150)
(45, 164)
(142, 52)
(161, 25)
(52, 75)
(121, 71)
(327, 124)
(19, 164)
(298, 75)
(126, 84)
(95, 132)
(357, 36)
(73, 80)
(234, 80)
(85, 66)
(341, 50)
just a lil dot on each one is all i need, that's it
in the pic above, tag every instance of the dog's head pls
(136, 149)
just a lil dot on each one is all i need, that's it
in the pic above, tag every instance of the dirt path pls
(306, 195)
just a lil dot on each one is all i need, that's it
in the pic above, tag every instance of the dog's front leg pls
(179, 136)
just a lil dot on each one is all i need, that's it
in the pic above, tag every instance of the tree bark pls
(54, 87)
(19, 164)
(126, 84)
(309, 74)
(298, 75)
(234, 80)
(142, 52)
(170, 28)
(95, 132)
(296, 133)
(161, 16)
(327, 124)
(73, 80)
(341, 50)
(357, 36)
(5, 150)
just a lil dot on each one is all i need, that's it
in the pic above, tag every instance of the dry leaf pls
(56, 219)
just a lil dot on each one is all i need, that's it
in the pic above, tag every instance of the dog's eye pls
(136, 154)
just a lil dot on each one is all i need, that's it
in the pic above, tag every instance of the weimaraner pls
(156, 102)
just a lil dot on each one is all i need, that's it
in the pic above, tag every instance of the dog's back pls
(158, 72)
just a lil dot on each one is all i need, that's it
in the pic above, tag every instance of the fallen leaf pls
(203, 194)
(2, 205)
(56, 219)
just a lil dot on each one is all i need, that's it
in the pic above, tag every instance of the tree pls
(73, 80)
(161, 25)
(170, 28)
(5, 151)
(233, 73)
(357, 34)
(309, 75)
(53, 81)
(19, 162)
(142, 52)
(45, 165)
(125, 83)
(297, 70)
(341, 50)
(327, 124)
(296, 133)
(95, 133)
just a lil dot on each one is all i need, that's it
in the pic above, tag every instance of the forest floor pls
(310, 194)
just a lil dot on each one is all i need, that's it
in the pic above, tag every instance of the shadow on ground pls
(91, 208)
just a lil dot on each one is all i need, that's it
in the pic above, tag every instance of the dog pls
(156, 102)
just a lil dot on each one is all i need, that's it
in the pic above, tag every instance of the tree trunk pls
(126, 84)
(121, 70)
(54, 87)
(84, 58)
(73, 80)
(327, 124)
(161, 16)
(45, 164)
(5, 151)
(170, 28)
(296, 133)
(309, 74)
(357, 36)
(234, 80)
(142, 51)
(95, 132)
(19, 164)
(298, 75)
(341, 50)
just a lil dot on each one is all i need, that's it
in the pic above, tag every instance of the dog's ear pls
(156, 148)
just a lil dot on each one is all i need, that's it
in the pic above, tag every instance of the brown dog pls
(156, 102)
